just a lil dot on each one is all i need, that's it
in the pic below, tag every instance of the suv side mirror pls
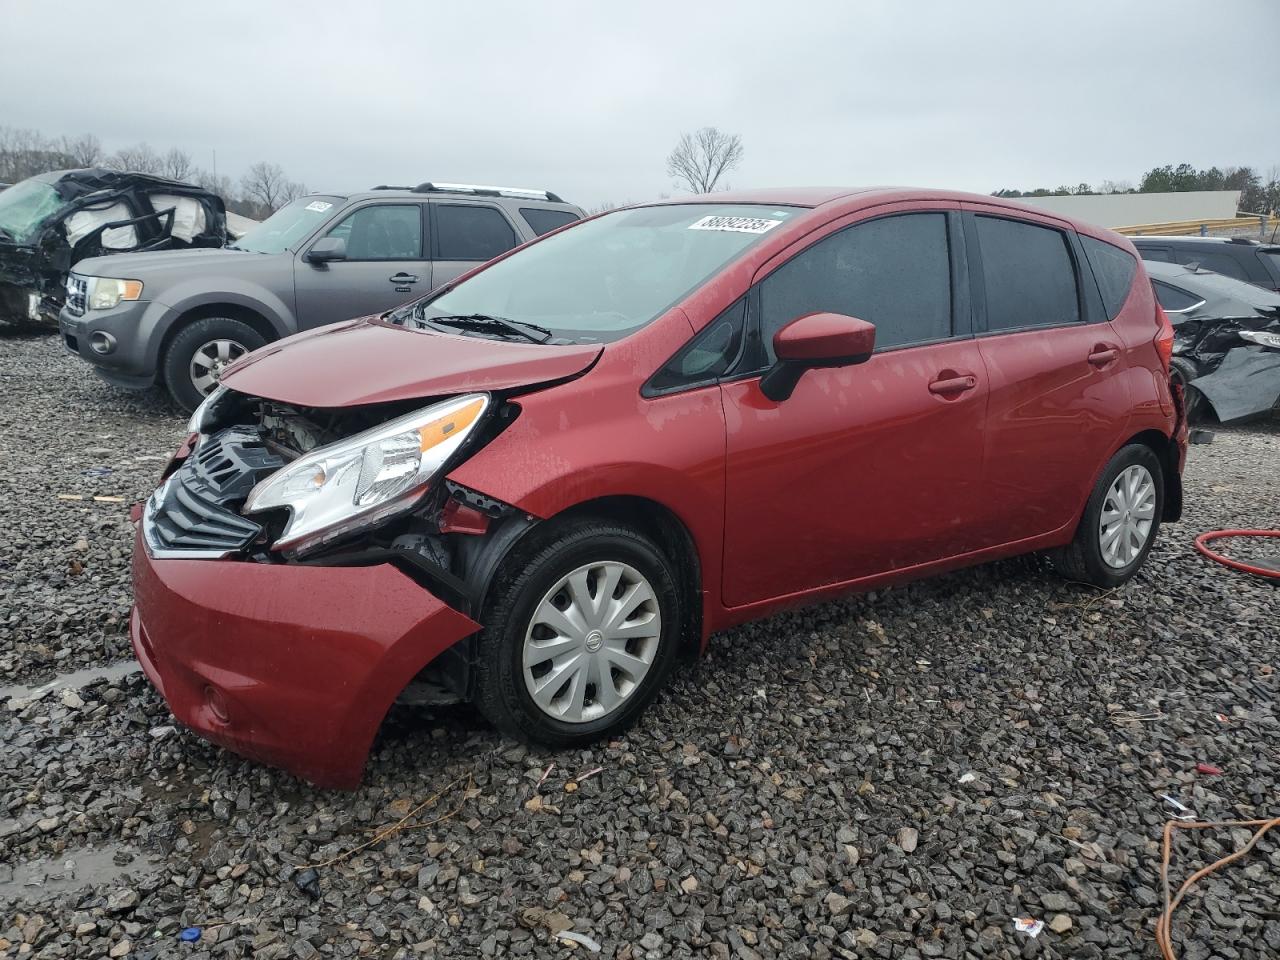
(327, 249)
(815, 340)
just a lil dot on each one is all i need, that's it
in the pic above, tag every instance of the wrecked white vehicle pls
(52, 221)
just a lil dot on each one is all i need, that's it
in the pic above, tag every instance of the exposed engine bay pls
(449, 538)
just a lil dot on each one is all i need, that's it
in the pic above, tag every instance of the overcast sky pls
(588, 98)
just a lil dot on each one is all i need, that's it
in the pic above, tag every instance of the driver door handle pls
(403, 278)
(953, 385)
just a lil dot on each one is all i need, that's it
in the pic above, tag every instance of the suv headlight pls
(360, 481)
(107, 292)
(1263, 338)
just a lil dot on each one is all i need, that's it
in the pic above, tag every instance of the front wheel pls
(581, 631)
(195, 359)
(1120, 521)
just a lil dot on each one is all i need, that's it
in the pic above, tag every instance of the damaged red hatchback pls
(540, 486)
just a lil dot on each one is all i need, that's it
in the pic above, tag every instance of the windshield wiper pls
(482, 321)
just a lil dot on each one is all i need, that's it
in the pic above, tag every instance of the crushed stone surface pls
(898, 775)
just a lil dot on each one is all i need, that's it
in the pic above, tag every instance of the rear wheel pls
(580, 634)
(196, 357)
(1120, 521)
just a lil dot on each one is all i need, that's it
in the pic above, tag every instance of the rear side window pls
(544, 221)
(1272, 259)
(1113, 268)
(471, 232)
(1156, 253)
(1174, 298)
(894, 272)
(1217, 262)
(1029, 276)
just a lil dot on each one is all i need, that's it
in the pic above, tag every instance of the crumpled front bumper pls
(294, 666)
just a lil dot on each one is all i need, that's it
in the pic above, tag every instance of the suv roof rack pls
(484, 191)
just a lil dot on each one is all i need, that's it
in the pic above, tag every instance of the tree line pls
(1259, 193)
(259, 192)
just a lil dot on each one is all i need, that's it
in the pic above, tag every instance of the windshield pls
(24, 206)
(610, 276)
(288, 226)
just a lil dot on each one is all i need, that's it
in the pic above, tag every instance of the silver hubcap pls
(211, 359)
(592, 640)
(1127, 515)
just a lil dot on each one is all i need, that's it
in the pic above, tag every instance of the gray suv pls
(181, 316)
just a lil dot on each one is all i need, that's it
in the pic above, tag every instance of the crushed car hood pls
(367, 361)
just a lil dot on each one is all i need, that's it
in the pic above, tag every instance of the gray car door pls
(386, 265)
(467, 233)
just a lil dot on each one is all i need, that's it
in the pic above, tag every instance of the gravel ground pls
(899, 775)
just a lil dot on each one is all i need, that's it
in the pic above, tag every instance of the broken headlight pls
(107, 292)
(1263, 338)
(360, 481)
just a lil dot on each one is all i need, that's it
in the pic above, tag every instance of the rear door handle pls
(953, 385)
(1103, 354)
(403, 278)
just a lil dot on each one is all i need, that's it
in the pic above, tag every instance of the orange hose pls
(1210, 535)
(1164, 926)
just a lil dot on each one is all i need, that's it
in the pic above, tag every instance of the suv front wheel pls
(195, 359)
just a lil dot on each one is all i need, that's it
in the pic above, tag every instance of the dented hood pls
(367, 361)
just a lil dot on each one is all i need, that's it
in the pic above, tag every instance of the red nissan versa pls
(541, 485)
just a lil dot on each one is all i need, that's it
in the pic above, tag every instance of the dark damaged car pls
(1226, 350)
(50, 222)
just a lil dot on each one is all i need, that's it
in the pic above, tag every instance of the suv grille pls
(77, 295)
(195, 512)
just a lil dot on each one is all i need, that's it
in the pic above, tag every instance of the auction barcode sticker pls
(735, 224)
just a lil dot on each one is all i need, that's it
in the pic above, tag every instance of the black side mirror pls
(815, 340)
(327, 250)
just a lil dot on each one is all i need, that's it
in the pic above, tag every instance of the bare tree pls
(701, 159)
(84, 150)
(267, 187)
(24, 153)
(139, 158)
(177, 165)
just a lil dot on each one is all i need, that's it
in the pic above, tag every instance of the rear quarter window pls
(1173, 298)
(1029, 276)
(544, 221)
(1113, 268)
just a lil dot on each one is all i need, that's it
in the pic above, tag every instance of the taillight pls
(1164, 338)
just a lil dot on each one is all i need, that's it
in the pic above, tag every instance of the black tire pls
(1184, 371)
(1083, 559)
(176, 362)
(519, 586)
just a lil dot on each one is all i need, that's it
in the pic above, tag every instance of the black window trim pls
(978, 282)
(452, 202)
(351, 210)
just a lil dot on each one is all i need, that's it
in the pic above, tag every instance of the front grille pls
(196, 512)
(77, 295)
